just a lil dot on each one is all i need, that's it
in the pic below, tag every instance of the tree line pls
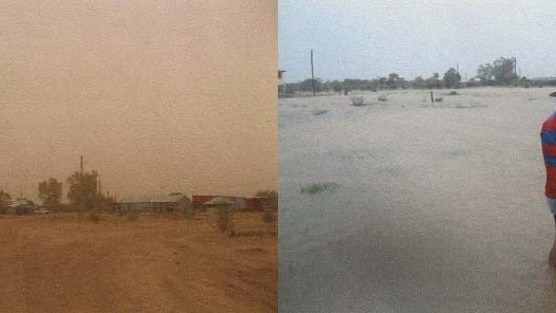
(500, 72)
(83, 193)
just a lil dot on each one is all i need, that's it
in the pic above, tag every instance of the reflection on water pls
(436, 210)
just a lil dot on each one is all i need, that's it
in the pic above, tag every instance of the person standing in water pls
(548, 140)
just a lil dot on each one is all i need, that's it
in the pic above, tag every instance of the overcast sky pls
(152, 93)
(369, 38)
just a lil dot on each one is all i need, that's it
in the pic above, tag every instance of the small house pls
(199, 201)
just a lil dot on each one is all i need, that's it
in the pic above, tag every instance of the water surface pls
(439, 208)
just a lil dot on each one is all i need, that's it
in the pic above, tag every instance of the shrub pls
(94, 216)
(268, 216)
(453, 93)
(224, 219)
(383, 98)
(357, 100)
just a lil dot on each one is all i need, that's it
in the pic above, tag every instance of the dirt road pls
(58, 264)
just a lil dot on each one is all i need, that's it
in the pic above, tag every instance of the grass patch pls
(313, 189)
(319, 112)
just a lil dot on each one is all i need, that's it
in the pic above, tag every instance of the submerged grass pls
(319, 188)
(319, 112)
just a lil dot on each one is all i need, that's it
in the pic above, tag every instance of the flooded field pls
(405, 205)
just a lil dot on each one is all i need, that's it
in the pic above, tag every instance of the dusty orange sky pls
(158, 96)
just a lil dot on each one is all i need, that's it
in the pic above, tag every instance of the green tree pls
(82, 190)
(5, 200)
(50, 193)
(500, 72)
(394, 81)
(484, 72)
(504, 70)
(452, 78)
(419, 83)
(434, 82)
(307, 85)
(336, 86)
(382, 82)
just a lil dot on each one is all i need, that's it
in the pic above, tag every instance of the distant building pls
(201, 202)
(165, 204)
(21, 206)
(549, 81)
(472, 82)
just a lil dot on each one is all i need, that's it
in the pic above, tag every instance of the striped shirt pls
(548, 140)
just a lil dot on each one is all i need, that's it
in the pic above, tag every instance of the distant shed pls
(199, 201)
(202, 202)
(164, 204)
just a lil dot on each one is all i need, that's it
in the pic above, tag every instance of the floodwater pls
(437, 207)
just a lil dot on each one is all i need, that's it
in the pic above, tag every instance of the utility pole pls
(457, 70)
(515, 71)
(313, 73)
(282, 82)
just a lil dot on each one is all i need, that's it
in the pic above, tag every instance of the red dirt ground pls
(55, 263)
